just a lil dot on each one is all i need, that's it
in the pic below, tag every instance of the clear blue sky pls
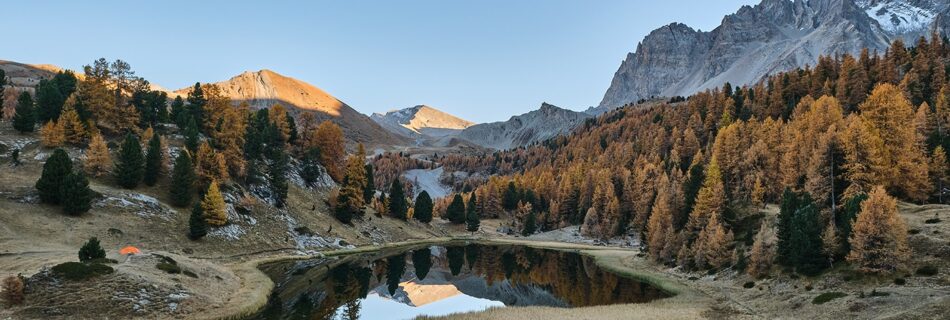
(481, 60)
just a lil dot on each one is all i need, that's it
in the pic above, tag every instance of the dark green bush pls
(875, 293)
(81, 271)
(748, 285)
(189, 273)
(932, 220)
(827, 296)
(927, 271)
(900, 281)
(168, 267)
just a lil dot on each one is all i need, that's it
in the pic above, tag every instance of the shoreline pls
(256, 286)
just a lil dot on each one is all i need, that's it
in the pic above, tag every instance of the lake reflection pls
(440, 280)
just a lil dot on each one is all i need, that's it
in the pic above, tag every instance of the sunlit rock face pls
(264, 88)
(522, 130)
(421, 121)
(773, 36)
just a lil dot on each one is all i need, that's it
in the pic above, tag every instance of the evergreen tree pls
(310, 169)
(153, 161)
(77, 197)
(196, 104)
(213, 206)
(844, 219)
(49, 101)
(183, 179)
(510, 197)
(370, 190)
(530, 224)
(191, 135)
(23, 119)
(805, 243)
(277, 176)
(91, 251)
(879, 239)
(398, 207)
(423, 207)
(179, 115)
(471, 221)
(472, 206)
(790, 204)
(350, 200)
(197, 226)
(422, 261)
(130, 165)
(3, 85)
(55, 170)
(455, 213)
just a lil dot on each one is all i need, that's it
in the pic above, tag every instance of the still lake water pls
(440, 280)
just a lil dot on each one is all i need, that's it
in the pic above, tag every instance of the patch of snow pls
(229, 231)
(144, 206)
(898, 16)
(41, 156)
(428, 180)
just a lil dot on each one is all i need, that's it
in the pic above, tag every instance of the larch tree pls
(763, 251)
(660, 226)
(712, 248)
(939, 173)
(879, 238)
(422, 209)
(350, 199)
(890, 116)
(153, 161)
(183, 180)
(98, 160)
(52, 135)
(369, 190)
(209, 164)
(130, 164)
(73, 129)
(329, 139)
(213, 207)
(23, 118)
(710, 199)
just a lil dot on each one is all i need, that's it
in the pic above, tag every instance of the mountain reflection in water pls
(440, 280)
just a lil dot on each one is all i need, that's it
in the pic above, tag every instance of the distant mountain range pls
(421, 121)
(773, 36)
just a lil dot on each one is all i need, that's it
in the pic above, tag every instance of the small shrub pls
(303, 230)
(828, 296)
(927, 271)
(875, 293)
(102, 261)
(91, 251)
(900, 281)
(168, 267)
(913, 231)
(809, 288)
(692, 278)
(12, 290)
(932, 220)
(80, 271)
(748, 285)
(189, 273)
(793, 276)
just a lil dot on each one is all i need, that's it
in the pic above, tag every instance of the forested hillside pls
(690, 177)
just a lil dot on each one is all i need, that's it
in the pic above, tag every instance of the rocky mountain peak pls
(773, 36)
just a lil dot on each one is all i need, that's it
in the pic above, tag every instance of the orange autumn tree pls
(879, 236)
(328, 137)
(98, 160)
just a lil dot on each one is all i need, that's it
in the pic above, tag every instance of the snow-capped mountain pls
(773, 36)
(419, 121)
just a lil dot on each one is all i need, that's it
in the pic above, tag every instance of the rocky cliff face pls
(264, 88)
(773, 36)
(421, 121)
(544, 123)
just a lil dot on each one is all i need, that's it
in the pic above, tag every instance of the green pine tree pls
(455, 213)
(183, 180)
(191, 135)
(509, 199)
(153, 161)
(471, 221)
(472, 206)
(423, 208)
(23, 119)
(398, 207)
(91, 251)
(130, 165)
(49, 101)
(3, 84)
(790, 204)
(55, 170)
(310, 169)
(77, 197)
(805, 242)
(844, 219)
(530, 224)
(370, 190)
(277, 176)
(197, 225)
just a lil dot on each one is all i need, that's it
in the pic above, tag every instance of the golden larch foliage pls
(329, 139)
(879, 236)
(98, 161)
(52, 135)
(209, 164)
(73, 129)
(763, 251)
(213, 206)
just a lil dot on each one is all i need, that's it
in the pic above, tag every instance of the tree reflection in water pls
(514, 275)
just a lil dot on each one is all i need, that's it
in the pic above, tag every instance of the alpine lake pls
(435, 280)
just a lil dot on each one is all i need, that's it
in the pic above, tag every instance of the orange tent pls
(130, 250)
